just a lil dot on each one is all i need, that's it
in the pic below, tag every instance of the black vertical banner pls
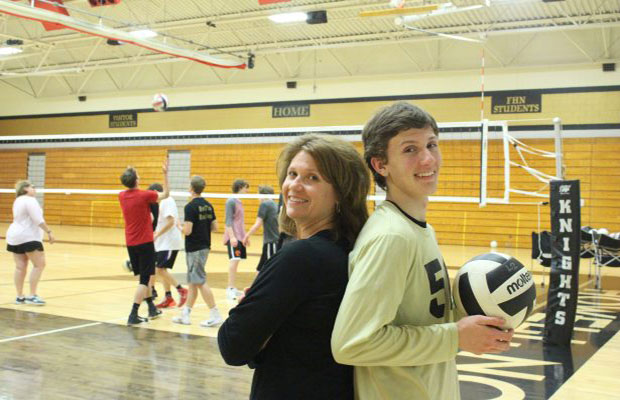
(565, 246)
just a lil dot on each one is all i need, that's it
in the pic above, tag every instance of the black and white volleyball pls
(495, 285)
(160, 102)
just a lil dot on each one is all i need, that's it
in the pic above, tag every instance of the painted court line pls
(50, 332)
(69, 328)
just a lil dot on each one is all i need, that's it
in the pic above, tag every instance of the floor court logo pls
(533, 370)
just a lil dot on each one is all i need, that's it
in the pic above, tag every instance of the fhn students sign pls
(516, 103)
(290, 111)
(565, 248)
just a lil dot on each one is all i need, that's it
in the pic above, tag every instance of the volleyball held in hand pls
(495, 285)
(160, 102)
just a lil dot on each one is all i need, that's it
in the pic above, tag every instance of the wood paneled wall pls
(593, 161)
(13, 167)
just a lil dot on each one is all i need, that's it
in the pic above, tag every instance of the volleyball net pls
(77, 176)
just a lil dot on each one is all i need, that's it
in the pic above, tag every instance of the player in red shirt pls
(139, 237)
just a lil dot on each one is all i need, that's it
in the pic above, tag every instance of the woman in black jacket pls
(282, 328)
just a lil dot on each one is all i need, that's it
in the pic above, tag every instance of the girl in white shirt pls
(25, 240)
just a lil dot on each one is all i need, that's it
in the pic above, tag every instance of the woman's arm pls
(36, 215)
(274, 295)
(47, 230)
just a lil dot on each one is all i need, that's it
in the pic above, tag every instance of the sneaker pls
(20, 300)
(214, 319)
(167, 302)
(231, 294)
(35, 300)
(183, 297)
(182, 319)
(155, 313)
(134, 319)
(127, 266)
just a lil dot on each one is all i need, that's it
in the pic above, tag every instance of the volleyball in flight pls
(160, 102)
(495, 285)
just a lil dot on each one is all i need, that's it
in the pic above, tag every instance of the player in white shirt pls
(25, 240)
(168, 242)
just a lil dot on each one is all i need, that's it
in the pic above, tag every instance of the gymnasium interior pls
(525, 92)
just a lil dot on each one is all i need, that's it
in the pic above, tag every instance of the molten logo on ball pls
(519, 283)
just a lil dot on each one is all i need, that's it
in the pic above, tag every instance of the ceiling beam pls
(8, 83)
(292, 46)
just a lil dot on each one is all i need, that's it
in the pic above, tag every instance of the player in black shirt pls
(199, 223)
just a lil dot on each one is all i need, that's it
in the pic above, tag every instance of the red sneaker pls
(167, 302)
(183, 294)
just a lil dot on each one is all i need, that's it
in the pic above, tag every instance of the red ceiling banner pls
(50, 26)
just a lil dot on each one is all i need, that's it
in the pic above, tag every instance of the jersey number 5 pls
(436, 309)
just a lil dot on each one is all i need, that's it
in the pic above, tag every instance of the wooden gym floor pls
(77, 346)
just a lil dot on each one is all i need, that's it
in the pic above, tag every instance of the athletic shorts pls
(166, 258)
(236, 253)
(269, 249)
(196, 261)
(142, 259)
(24, 248)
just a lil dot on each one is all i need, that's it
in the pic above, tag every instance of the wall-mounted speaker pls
(609, 67)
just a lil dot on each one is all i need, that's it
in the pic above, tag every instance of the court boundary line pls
(49, 332)
(69, 328)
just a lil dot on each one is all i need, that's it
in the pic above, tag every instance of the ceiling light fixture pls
(289, 17)
(8, 51)
(143, 34)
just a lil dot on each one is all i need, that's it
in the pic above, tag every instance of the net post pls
(506, 162)
(484, 137)
(557, 130)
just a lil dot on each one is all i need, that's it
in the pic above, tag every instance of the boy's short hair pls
(239, 184)
(265, 189)
(387, 123)
(156, 187)
(198, 184)
(129, 178)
